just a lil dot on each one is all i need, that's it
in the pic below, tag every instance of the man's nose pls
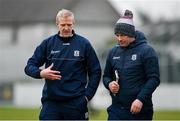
(66, 26)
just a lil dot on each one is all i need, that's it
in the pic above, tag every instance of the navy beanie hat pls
(125, 25)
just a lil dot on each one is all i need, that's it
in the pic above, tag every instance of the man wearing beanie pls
(131, 73)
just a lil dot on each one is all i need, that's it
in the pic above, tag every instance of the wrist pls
(41, 74)
(109, 85)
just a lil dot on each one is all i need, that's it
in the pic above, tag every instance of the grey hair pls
(64, 13)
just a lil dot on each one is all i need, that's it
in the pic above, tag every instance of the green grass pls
(10, 113)
(167, 115)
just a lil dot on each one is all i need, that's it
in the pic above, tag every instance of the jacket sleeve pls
(94, 71)
(151, 70)
(36, 61)
(108, 72)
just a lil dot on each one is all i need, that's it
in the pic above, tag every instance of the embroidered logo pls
(116, 57)
(55, 51)
(134, 57)
(66, 43)
(76, 53)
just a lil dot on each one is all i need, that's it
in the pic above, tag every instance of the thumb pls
(50, 67)
(115, 83)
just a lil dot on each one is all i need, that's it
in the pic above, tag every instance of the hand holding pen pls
(114, 86)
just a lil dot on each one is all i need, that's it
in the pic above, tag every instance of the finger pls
(55, 72)
(55, 77)
(132, 108)
(138, 109)
(115, 88)
(116, 84)
(135, 110)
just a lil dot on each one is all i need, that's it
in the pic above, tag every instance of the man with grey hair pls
(72, 72)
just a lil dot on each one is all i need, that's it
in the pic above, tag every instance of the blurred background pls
(25, 23)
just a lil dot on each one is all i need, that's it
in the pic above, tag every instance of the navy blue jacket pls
(138, 70)
(77, 62)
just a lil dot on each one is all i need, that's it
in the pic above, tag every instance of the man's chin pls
(66, 36)
(123, 45)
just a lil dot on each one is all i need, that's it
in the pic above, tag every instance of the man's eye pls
(69, 24)
(118, 35)
(121, 34)
(62, 24)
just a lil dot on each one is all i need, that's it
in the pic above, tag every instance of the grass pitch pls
(12, 113)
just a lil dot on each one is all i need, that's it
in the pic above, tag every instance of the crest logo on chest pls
(76, 53)
(134, 57)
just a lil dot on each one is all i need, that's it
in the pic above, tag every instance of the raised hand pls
(50, 74)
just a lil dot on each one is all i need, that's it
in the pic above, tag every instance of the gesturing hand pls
(136, 106)
(50, 74)
(114, 87)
